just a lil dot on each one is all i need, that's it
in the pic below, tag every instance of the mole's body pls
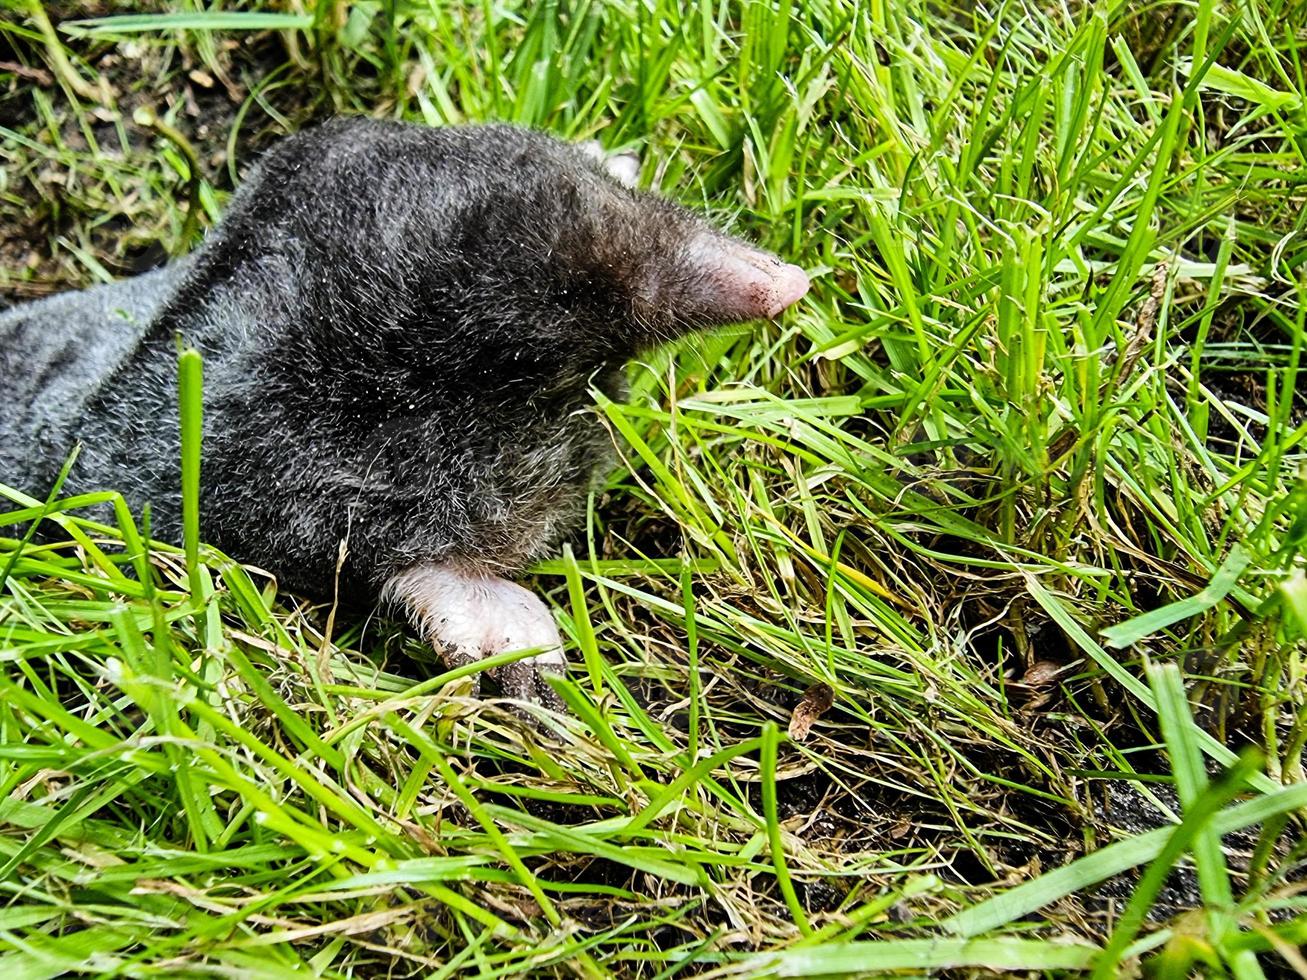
(400, 328)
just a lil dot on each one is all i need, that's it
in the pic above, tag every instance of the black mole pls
(400, 327)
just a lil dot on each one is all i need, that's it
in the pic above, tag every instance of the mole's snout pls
(762, 284)
(790, 284)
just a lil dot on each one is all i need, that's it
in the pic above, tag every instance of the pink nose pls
(789, 284)
(762, 283)
(739, 282)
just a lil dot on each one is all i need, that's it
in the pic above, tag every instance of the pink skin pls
(468, 615)
(749, 283)
(775, 284)
(791, 286)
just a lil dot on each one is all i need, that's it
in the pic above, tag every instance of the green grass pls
(1021, 481)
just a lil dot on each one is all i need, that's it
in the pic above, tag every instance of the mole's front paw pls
(468, 616)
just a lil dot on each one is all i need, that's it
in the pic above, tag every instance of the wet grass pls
(1005, 523)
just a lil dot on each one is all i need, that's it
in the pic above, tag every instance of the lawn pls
(953, 622)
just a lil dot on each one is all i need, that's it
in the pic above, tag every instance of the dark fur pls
(399, 327)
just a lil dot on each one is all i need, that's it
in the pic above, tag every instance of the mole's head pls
(652, 270)
(499, 236)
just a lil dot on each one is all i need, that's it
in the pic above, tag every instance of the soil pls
(52, 200)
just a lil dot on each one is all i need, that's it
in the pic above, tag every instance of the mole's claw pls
(469, 616)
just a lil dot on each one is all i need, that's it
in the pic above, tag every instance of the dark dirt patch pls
(98, 181)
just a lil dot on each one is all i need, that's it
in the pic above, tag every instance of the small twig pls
(38, 75)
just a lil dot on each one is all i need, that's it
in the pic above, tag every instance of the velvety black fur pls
(399, 327)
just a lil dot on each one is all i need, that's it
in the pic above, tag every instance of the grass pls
(1018, 489)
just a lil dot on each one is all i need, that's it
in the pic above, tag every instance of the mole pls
(401, 329)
